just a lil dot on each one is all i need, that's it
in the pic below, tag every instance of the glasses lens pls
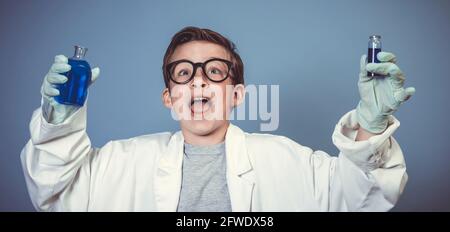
(181, 72)
(216, 70)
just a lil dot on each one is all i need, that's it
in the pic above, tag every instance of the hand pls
(380, 96)
(53, 111)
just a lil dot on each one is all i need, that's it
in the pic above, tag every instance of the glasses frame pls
(197, 65)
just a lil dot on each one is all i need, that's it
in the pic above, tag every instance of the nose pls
(200, 79)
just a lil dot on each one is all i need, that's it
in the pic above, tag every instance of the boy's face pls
(201, 105)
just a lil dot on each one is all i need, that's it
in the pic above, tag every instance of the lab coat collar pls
(240, 176)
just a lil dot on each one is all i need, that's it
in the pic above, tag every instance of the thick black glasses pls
(183, 71)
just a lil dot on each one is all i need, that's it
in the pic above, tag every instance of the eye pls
(215, 71)
(183, 73)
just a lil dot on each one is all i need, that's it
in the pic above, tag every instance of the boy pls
(212, 165)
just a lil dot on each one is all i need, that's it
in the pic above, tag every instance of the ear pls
(238, 94)
(166, 100)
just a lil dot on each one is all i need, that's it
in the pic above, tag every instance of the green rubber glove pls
(380, 96)
(53, 111)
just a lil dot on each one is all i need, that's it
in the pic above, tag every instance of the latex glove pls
(380, 96)
(53, 111)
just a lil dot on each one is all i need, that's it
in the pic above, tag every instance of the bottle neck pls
(375, 41)
(80, 52)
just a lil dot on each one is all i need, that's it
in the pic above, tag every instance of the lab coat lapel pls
(168, 175)
(240, 174)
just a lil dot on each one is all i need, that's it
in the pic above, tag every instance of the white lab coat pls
(264, 172)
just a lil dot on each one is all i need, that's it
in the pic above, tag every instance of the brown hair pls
(188, 34)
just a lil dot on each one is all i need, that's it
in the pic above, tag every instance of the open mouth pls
(200, 104)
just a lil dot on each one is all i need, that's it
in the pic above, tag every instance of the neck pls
(214, 137)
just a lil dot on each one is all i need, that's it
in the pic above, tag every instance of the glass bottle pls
(374, 49)
(74, 91)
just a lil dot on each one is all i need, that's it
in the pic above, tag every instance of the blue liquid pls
(74, 91)
(372, 58)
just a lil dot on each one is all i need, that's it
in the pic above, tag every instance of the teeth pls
(197, 99)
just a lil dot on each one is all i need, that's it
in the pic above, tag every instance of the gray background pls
(310, 48)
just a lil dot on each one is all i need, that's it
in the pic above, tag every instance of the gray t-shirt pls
(204, 183)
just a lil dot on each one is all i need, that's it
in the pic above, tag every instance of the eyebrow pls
(209, 58)
(213, 57)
